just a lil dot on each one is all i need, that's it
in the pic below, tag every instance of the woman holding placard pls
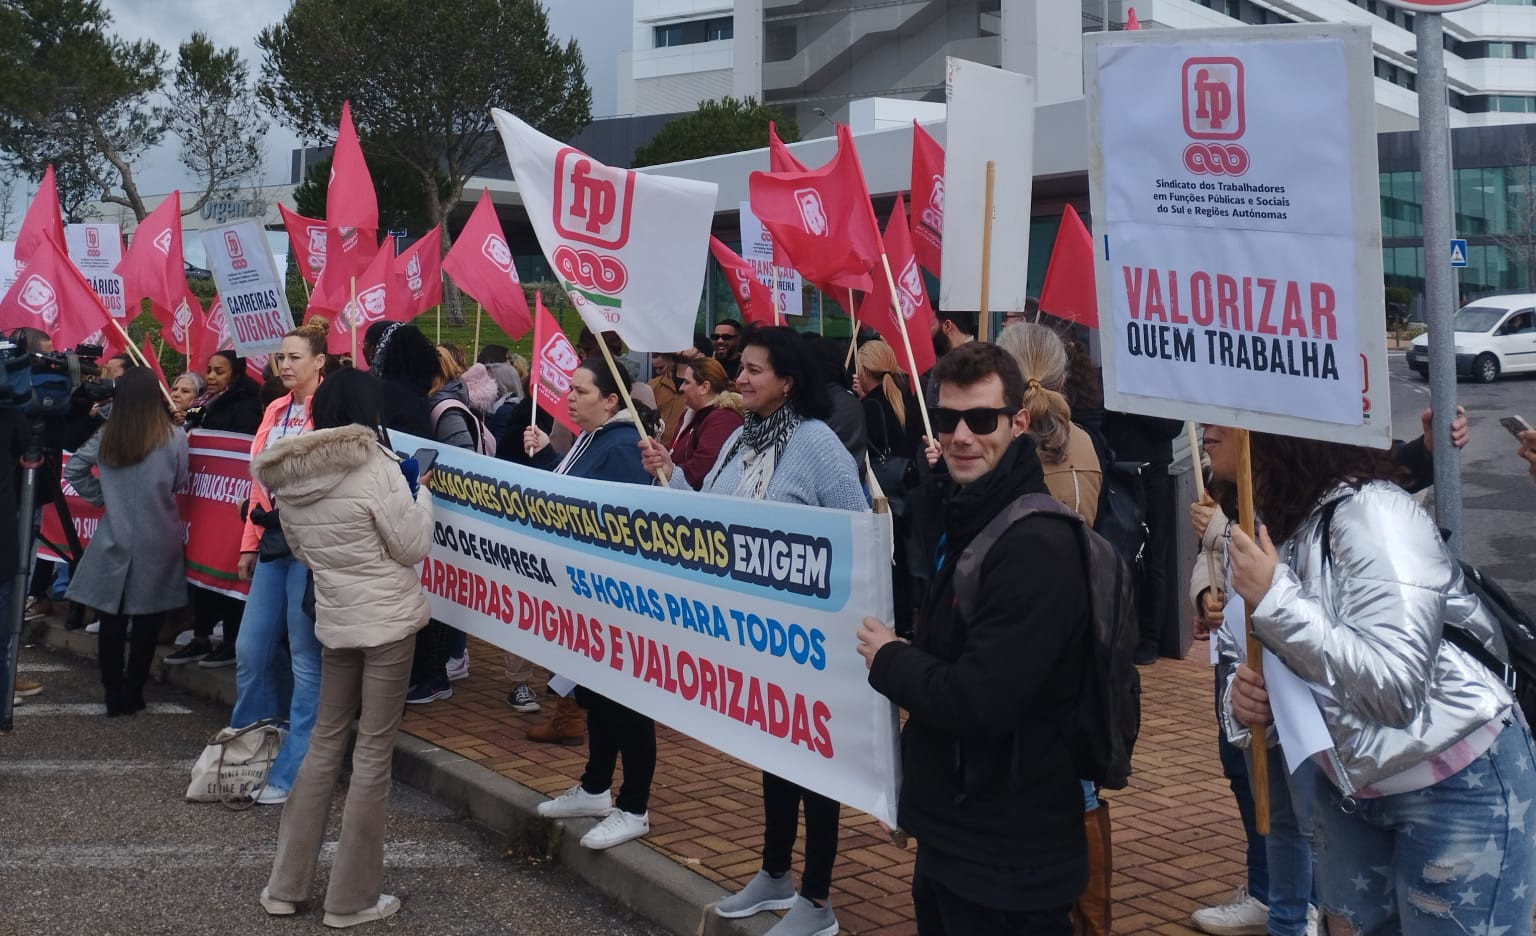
(784, 452)
(1427, 767)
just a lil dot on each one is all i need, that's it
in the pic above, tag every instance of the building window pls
(694, 32)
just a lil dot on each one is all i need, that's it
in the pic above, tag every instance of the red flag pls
(553, 361)
(153, 269)
(822, 219)
(51, 295)
(148, 350)
(480, 262)
(1069, 291)
(911, 294)
(43, 224)
(1131, 22)
(780, 159)
(307, 235)
(351, 220)
(753, 298)
(418, 276)
(927, 199)
(374, 303)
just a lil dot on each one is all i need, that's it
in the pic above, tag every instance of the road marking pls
(95, 709)
(41, 668)
(88, 766)
(406, 854)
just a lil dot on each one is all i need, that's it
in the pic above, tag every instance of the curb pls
(633, 875)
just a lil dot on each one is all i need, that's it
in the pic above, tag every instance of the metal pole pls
(1439, 285)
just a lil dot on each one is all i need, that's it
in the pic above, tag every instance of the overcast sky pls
(602, 27)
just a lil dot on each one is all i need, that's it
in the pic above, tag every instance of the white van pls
(1494, 335)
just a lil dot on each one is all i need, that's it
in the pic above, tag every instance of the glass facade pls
(1495, 212)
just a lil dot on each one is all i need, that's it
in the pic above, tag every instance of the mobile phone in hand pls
(425, 457)
(1515, 425)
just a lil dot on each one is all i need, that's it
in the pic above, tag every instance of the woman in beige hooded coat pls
(348, 514)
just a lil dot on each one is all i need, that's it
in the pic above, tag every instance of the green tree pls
(422, 90)
(728, 125)
(77, 97)
(214, 112)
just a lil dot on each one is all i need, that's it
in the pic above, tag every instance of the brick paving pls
(1177, 840)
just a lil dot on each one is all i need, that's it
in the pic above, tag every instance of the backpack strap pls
(443, 406)
(967, 581)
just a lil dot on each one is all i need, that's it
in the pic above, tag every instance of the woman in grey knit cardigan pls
(784, 452)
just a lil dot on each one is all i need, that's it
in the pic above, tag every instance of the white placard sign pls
(255, 300)
(1238, 236)
(991, 117)
(757, 249)
(96, 250)
(7, 265)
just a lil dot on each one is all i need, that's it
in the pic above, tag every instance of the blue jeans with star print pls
(1456, 858)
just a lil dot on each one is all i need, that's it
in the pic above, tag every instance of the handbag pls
(233, 767)
(273, 545)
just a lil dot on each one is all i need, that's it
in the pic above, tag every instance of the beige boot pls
(569, 726)
(1092, 913)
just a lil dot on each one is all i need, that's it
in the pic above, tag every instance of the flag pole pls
(853, 332)
(353, 315)
(629, 403)
(135, 354)
(983, 316)
(533, 417)
(906, 342)
(1245, 519)
(479, 311)
(439, 324)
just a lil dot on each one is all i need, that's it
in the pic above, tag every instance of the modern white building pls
(813, 59)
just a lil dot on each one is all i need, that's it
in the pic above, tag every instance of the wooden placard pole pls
(479, 314)
(1259, 780)
(439, 339)
(906, 342)
(853, 332)
(533, 416)
(984, 314)
(629, 403)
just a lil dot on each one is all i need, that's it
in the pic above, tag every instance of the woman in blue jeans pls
(268, 682)
(1421, 801)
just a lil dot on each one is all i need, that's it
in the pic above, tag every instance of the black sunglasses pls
(981, 421)
(723, 337)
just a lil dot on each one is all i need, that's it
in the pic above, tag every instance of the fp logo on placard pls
(92, 242)
(592, 201)
(236, 250)
(1214, 115)
(812, 215)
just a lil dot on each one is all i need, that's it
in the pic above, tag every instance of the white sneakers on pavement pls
(616, 828)
(764, 892)
(576, 803)
(1243, 915)
(275, 907)
(271, 796)
(388, 906)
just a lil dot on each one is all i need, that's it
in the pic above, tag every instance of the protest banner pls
(1234, 186)
(255, 301)
(219, 478)
(990, 119)
(757, 249)
(728, 619)
(96, 250)
(7, 266)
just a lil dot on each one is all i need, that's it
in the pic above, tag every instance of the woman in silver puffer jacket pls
(1422, 799)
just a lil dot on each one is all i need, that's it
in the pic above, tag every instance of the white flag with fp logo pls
(628, 248)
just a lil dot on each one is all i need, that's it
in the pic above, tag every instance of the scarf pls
(761, 443)
(378, 352)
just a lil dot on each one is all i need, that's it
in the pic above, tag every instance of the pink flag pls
(754, 299)
(373, 304)
(153, 269)
(480, 262)
(553, 362)
(418, 276)
(307, 235)
(927, 199)
(53, 296)
(43, 223)
(148, 350)
(911, 295)
(351, 220)
(1069, 291)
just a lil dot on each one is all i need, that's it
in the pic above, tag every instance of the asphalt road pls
(1498, 495)
(95, 837)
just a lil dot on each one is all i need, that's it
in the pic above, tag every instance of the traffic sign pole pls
(1439, 280)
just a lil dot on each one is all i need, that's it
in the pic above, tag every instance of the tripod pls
(31, 461)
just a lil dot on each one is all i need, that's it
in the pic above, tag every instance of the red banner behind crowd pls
(219, 469)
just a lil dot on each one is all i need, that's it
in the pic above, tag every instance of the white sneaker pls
(1313, 915)
(458, 668)
(576, 803)
(388, 905)
(616, 829)
(184, 638)
(93, 628)
(271, 796)
(275, 907)
(1243, 915)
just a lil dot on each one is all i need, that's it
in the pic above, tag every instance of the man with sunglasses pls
(727, 339)
(989, 786)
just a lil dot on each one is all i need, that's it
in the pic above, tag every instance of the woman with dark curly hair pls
(1425, 787)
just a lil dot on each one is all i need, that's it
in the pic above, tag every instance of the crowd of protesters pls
(1346, 580)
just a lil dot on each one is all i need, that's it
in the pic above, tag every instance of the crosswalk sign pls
(1458, 251)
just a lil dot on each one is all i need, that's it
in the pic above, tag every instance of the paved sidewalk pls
(1178, 842)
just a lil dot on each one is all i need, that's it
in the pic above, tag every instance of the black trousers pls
(612, 730)
(125, 687)
(430, 665)
(210, 608)
(941, 912)
(781, 815)
(1157, 573)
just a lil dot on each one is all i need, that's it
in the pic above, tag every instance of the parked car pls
(1494, 335)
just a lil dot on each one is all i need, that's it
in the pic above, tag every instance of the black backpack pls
(1122, 513)
(1108, 716)
(1519, 631)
